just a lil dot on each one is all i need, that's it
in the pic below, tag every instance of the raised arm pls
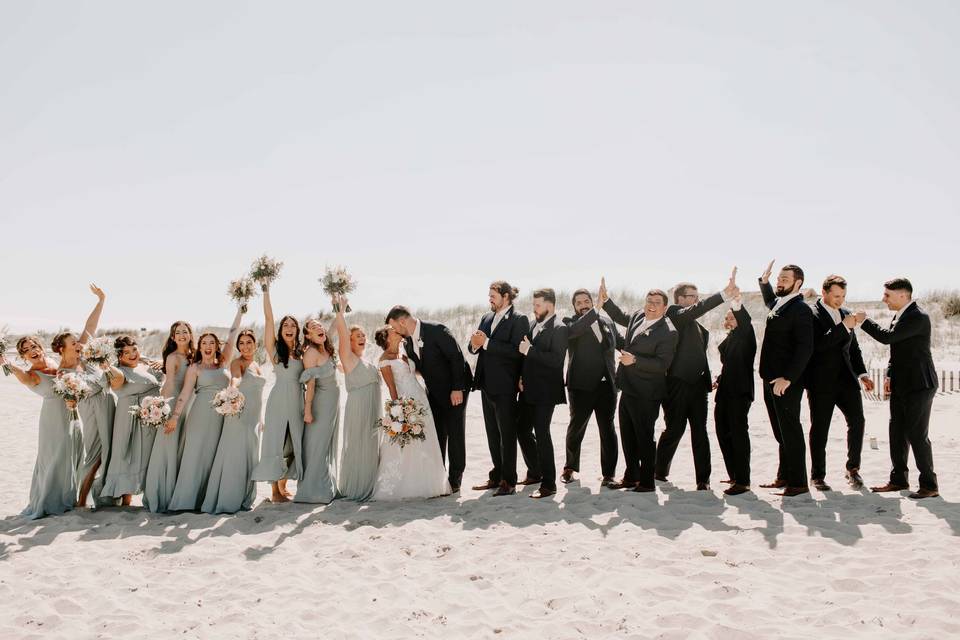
(188, 384)
(347, 357)
(913, 325)
(93, 320)
(28, 378)
(579, 326)
(269, 331)
(227, 352)
(769, 297)
(616, 314)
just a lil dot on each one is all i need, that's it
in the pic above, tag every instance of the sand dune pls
(591, 563)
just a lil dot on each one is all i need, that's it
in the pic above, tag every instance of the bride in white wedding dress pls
(416, 470)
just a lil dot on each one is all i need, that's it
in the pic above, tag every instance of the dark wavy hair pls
(171, 345)
(246, 332)
(327, 343)
(505, 289)
(121, 342)
(60, 341)
(283, 351)
(198, 357)
(381, 335)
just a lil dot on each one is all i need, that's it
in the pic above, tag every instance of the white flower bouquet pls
(98, 351)
(228, 402)
(265, 270)
(72, 387)
(338, 280)
(403, 421)
(153, 411)
(241, 290)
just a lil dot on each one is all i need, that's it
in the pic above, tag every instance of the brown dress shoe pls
(736, 489)
(776, 484)
(567, 476)
(924, 493)
(642, 489)
(703, 486)
(486, 486)
(889, 487)
(529, 480)
(820, 485)
(790, 492)
(727, 481)
(542, 493)
(505, 490)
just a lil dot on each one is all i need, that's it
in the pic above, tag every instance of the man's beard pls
(541, 316)
(782, 293)
(583, 312)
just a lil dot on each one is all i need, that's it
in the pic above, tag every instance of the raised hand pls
(731, 290)
(97, 291)
(765, 276)
(861, 316)
(602, 295)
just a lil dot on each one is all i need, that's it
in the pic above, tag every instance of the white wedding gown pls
(416, 470)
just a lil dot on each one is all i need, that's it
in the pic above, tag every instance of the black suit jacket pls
(690, 361)
(543, 365)
(440, 361)
(836, 355)
(591, 360)
(911, 363)
(737, 353)
(654, 348)
(498, 365)
(787, 339)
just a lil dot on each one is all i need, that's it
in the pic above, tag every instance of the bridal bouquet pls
(72, 387)
(337, 280)
(403, 422)
(3, 349)
(228, 402)
(241, 290)
(98, 351)
(153, 411)
(265, 270)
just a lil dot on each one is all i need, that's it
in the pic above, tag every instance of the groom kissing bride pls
(438, 358)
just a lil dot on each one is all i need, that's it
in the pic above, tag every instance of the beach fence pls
(949, 384)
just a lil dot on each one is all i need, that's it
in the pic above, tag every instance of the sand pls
(589, 563)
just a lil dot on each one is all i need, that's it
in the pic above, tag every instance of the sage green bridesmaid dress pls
(318, 483)
(202, 431)
(231, 488)
(96, 413)
(280, 450)
(165, 457)
(53, 487)
(360, 456)
(131, 443)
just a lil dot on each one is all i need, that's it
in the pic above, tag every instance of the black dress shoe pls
(505, 490)
(660, 477)
(924, 493)
(486, 486)
(736, 489)
(703, 486)
(530, 480)
(543, 492)
(820, 485)
(454, 488)
(567, 476)
(642, 489)
(853, 477)
(607, 481)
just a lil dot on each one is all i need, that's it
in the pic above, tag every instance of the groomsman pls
(689, 381)
(591, 384)
(834, 376)
(497, 346)
(911, 382)
(438, 358)
(735, 395)
(544, 350)
(649, 344)
(786, 350)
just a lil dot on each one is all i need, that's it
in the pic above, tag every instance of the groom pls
(438, 359)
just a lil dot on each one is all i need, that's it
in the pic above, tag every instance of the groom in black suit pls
(438, 358)
(786, 350)
(912, 384)
(499, 361)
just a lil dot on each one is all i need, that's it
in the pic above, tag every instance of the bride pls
(416, 470)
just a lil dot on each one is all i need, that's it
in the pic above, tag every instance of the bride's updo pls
(381, 336)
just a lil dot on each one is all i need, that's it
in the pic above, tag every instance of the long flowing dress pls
(96, 413)
(131, 442)
(416, 470)
(319, 437)
(53, 487)
(201, 436)
(230, 487)
(361, 441)
(283, 426)
(165, 457)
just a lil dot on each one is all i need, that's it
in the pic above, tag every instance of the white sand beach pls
(589, 563)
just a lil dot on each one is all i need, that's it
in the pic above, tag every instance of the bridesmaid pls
(283, 423)
(231, 488)
(321, 416)
(96, 410)
(178, 353)
(361, 442)
(132, 379)
(53, 488)
(208, 374)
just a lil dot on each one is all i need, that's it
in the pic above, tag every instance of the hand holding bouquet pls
(153, 411)
(403, 422)
(228, 402)
(265, 270)
(98, 351)
(240, 291)
(73, 388)
(337, 282)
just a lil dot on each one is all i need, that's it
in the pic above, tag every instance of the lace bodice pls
(405, 378)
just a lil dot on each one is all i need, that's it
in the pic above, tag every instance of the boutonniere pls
(772, 315)
(420, 343)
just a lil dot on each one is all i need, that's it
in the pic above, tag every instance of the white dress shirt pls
(415, 339)
(497, 317)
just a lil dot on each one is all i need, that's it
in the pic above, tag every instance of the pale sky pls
(157, 148)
